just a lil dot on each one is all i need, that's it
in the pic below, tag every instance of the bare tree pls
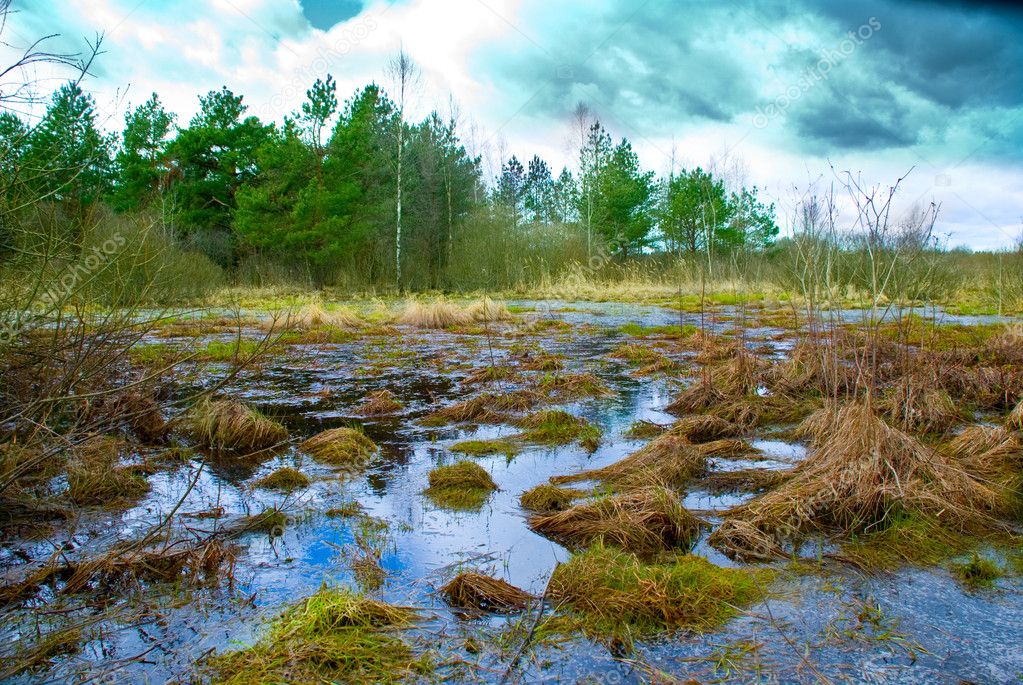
(17, 85)
(407, 78)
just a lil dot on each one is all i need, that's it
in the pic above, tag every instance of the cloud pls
(933, 84)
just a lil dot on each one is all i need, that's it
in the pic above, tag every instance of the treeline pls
(355, 194)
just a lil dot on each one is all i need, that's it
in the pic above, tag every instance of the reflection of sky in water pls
(970, 635)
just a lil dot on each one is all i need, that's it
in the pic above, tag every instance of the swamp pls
(508, 342)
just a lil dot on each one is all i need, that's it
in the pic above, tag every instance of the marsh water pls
(912, 626)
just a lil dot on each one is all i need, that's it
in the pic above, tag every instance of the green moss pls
(285, 478)
(482, 448)
(611, 593)
(978, 572)
(346, 509)
(333, 636)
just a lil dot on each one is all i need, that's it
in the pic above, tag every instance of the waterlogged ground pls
(823, 621)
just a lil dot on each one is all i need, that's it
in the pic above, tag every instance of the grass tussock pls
(668, 460)
(978, 439)
(340, 447)
(313, 316)
(744, 480)
(483, 448)
(487, 310)
(285, 478)
(470, 590)
(704, 428)
(332, 636)
(461, 486)
(616, 594)
(979, 572)
(437, 315)
(546, 498)
(726, 448)
(379, 403)
(1015, 419)
(95, 475)
(541, 361)
(867, 473)
(642, 430)
(485, 408)
(558, 427)
(491, 374)
(575, 385)
(698, 398)
(644, 521)
(921, 409)
(227, 424)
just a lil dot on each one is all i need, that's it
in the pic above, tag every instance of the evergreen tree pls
(142, 171)
(214, 157)
(694, 210)
(67, 158)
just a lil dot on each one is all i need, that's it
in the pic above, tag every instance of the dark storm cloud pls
(918, 71)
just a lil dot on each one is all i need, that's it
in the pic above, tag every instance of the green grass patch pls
(907, 539)
(462, 486)
(558, 427)
(637, 330)
(484, 448)
(977, 573)
(332, 636)
(611, 593)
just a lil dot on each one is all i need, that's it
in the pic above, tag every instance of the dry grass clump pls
(865, 474)
(744, 480)
(697, 398)
(487, 310)
(227, 424)
(332, 636)
(491, 374)
(818, 427)
(726, 448)
(462, 485)
(470, 590)
(636, 353)
(668, 460)
(558, 427)
(484, 408)
(915, 409)
(542, 361)
(379, 403)
(974, 440)
(545, 498)
(645, 521)
(140, 413)
(617, 594)
(815, 367)
(575, 385)
(435, 315)
(312, 316)
(703, 428)
(285, 478)
(1015, 419)
(741, 375)
(95, 475)
(340, 447)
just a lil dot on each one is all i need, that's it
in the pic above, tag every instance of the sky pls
(787, 95)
